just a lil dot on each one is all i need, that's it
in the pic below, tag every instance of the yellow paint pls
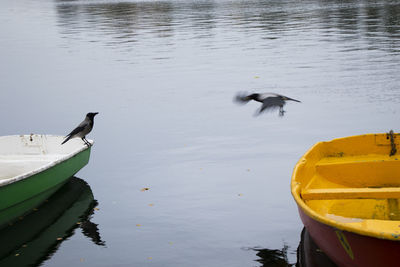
(350, 193)
(352, 184)
(345, 244)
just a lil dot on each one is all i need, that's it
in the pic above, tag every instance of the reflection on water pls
(36, 237)
(308, 255)
(163, 74)
(273, 257)
(374, 24)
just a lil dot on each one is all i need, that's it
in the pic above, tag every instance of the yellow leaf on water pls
(96, 209)
(78, 223)
(256, 77)
(16, 255)
(240, 195)
(59, 238)
(144, 189)
(149, 258)
(151, 204)
(81, 259)
(138, 225)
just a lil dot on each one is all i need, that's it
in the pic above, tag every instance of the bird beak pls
(95, 113)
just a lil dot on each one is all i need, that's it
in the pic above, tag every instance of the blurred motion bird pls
(82, 129)
(270, 101)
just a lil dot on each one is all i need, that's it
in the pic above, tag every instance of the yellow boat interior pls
(352, 184)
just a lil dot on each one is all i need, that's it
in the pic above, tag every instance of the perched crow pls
(83, 129)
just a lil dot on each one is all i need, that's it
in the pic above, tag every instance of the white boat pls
(32, 167)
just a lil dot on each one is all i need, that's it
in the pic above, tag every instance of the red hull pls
(352, 250)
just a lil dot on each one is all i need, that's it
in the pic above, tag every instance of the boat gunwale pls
(23, 176)
(353, 227)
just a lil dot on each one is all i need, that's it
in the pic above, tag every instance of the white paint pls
(22, 156)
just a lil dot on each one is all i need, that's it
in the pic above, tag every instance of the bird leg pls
(86, 142)
(281, 111)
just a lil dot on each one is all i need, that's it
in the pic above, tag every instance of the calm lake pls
(182, 175)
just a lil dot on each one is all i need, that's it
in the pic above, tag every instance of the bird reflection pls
(90, 229)
(270, 101)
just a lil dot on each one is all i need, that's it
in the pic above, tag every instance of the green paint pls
(21, 197)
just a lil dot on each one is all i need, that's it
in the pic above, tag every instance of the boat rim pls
(26, 175)
(353, 227)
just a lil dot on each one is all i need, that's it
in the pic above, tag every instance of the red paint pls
(367, 251)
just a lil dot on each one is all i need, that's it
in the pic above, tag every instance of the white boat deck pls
(14, 165)
(21, 156)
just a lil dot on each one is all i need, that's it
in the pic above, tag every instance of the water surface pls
(163, 74)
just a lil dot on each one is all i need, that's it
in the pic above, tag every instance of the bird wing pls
(266, 95)
(76, 130)
(79, 128)
(271, 103)
(283, 97)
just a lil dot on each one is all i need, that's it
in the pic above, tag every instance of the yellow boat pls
(347, 191)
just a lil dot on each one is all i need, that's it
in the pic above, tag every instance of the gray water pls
(163, 74)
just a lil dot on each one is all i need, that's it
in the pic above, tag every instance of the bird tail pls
(67, 138)
(291, 99)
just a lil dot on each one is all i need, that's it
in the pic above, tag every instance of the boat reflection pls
(308, 255)
(36, 237)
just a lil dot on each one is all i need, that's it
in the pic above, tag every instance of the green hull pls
(21, 197)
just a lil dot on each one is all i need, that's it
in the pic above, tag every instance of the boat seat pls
(350, 193)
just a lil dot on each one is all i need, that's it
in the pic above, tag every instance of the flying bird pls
(270, 101)
(82, 129)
